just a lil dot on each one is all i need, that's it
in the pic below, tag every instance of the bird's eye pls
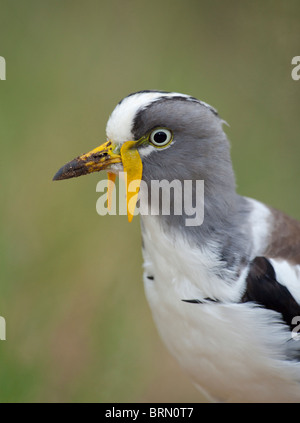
(160, 137)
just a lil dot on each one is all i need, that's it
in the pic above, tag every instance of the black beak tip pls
(72, 169)
(65, 172)
(59, 175)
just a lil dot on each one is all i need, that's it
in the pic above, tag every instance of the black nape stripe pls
(265, 290)
(143, 92)
(151, 278)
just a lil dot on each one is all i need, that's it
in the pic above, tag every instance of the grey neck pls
(225, 224)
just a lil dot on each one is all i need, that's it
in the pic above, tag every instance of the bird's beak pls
(101, 158)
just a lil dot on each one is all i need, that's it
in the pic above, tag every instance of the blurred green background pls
(78, 325)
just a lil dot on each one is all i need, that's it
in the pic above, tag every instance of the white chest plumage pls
(232, 350)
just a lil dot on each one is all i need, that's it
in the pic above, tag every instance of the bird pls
(225, 292)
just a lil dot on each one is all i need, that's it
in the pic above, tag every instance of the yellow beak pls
(101, 158)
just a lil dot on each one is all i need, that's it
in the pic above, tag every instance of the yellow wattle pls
(133, 166)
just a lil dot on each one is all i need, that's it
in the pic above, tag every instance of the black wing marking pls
(195, 301)
(263, 288)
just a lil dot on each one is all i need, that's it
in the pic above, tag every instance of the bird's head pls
(162, 136)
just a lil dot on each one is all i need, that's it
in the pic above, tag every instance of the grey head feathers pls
(199, 151)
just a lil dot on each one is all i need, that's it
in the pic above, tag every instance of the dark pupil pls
(160, 137)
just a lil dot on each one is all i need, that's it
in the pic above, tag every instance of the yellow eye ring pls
(160, 137)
